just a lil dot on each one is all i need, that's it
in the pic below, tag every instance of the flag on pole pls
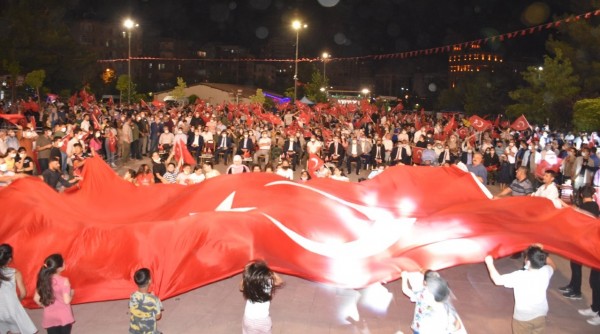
(520, 124)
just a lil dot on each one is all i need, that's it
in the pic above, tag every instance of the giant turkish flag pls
(344, 234)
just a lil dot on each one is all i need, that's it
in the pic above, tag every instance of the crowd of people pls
(183, 141)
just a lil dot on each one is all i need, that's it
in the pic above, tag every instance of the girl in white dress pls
(13, 317)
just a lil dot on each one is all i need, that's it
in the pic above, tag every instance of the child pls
(53, 292)
(145, 307)
(13, 318)
(503, 176)
(257, 285)
(433, 311)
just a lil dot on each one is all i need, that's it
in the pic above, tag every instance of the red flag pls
(520, 124)
(13, 118)
(314, 164)
(110, 102)
(144, 104)
(73, 100)
(497, 121)
(399, 107)
(95, 120)
(417, 153)
(450, 126)
(181, 153)
(158, 104)
(479, 123)
(463, 133)
(433, 234)
(417, 122)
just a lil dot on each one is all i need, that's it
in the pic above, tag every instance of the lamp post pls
(325, 56)
(129, 25)
(297, 25)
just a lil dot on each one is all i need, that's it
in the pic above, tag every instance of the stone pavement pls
(302, 306)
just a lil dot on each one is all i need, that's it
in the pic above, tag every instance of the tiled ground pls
(307, 307)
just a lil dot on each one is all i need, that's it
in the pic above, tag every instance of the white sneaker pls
(594, 321)
(588, 312)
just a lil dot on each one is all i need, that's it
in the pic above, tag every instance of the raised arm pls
(494, 274)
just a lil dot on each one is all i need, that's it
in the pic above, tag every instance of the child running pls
(258, 283)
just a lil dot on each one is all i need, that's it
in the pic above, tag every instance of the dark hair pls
(551, 173)
(44, 280)
(437, 286)
(536, 256)
(588, 191)
(142, 277)
(6, 253)
(258, 282)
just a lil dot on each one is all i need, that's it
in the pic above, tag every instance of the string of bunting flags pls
(400, 55)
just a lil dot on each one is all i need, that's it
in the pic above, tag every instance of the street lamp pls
(325, 56)
(129, 25)
(297, 25)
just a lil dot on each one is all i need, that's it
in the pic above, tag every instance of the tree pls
(315, 89)
(179, 90)
(586, 114)
(259, 97)
(550, 94)
(483, 93)
(34, 34)
(35, 79)
(123, 86)
(580, 43)
(14, 69)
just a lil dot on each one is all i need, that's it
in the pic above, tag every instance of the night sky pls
(346, 28)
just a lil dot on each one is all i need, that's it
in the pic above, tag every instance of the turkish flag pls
(158, 104)
(520, 124)
(417, 154)
(314, 164)
(450, 126)
(181, 153)
(479, 123)
(405, 219)
(463, 132)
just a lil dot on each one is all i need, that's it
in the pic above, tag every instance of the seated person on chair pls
(336, 152)
(264, 148)
(292, 151)
(224, 146)
(245, 146)
(353, 154)
(378, 153)
(195, 143)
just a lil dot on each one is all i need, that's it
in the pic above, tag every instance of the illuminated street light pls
(297, 25)
(325, 56)
(365, 91)
(129, 25)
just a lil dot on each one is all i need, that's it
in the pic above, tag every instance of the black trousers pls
(66, 329)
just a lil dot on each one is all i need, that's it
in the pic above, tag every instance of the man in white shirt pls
(529, 288)
(264, 148)
(549, 189)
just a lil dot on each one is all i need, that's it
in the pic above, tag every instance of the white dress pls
(13, 317)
